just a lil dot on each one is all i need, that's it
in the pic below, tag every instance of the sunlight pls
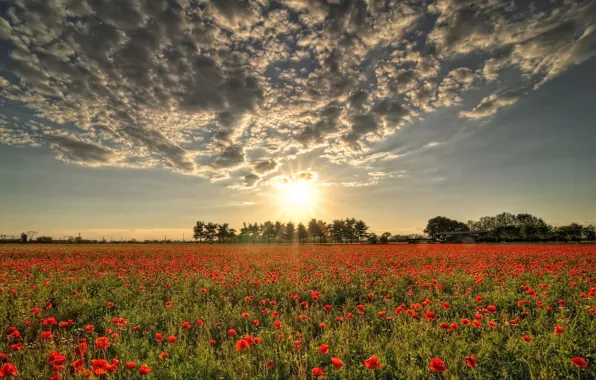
(297, 194)
(297, 199)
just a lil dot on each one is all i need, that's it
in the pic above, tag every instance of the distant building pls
(463, 237)
(24, 237)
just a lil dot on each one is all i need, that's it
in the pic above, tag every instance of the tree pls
(302, 233)
(323, 231)
(199, 231)
(571, 232)
(268, 231)
(350, 229)
(290, 230)
(278, 228)
(384, 239)
(372, 238)
(441, 224)
(222, 232)
(232, 235)
(44, 239)
(338, 230)
(210, 231)
(361, 230)
(590, 233)
(313, 229)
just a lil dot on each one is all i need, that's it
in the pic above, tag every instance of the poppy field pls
(298, 312)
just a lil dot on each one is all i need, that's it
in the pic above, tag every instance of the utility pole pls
(183, 237)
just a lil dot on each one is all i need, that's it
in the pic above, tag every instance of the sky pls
(135, 118)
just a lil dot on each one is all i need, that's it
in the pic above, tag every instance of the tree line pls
(510, 227)
(347, 230)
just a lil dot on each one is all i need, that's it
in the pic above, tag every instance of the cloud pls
(196, 86)
(491, 104)
(265, 166)
(251, 180)
(71, 149)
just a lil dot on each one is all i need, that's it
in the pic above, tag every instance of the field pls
(281, 312)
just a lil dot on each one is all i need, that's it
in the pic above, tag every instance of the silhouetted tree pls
(313, 229)
(290, 230)
(278, 228)
(268, 231)
(222, 232)
(302, 233)
(372, 238)
(210, 231)
(384, 239)
(590, 233)
(361, 230)
(199, 231)
(442, 224)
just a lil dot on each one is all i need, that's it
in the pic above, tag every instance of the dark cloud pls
(362, 125)
(251, 180)
(174, 82)
(73, 150)
(265, 166)
(232, 156)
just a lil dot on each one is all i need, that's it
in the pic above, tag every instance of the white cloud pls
(199, 87)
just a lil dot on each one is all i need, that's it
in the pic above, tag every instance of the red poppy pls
(269, 364)
(56, 358)
(78, 364)
(46, 335)
(337, 363)
(102, 343)
(245, 315)
(316, 372)
(232, 332)
(100, 366)
(143, 370)
(471, 361)
(172, 339)
(445, 305)
(169, 304)
(579, 362)
(8, 369)
(164, 355)
(131, 365)
(559, 330)
(437, 365)
(277, 324)
(527, 338)
(242, 345)
(372, 363)
(324, 348)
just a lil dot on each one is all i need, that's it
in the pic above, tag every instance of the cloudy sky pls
(135, 118)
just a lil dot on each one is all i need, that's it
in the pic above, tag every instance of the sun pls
(297, 194)
(297, 200)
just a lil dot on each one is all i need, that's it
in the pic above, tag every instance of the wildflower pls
(372, 363)
(316, 372)
(337, 363)
(437, 365)
(471, 361)
(579, 362)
